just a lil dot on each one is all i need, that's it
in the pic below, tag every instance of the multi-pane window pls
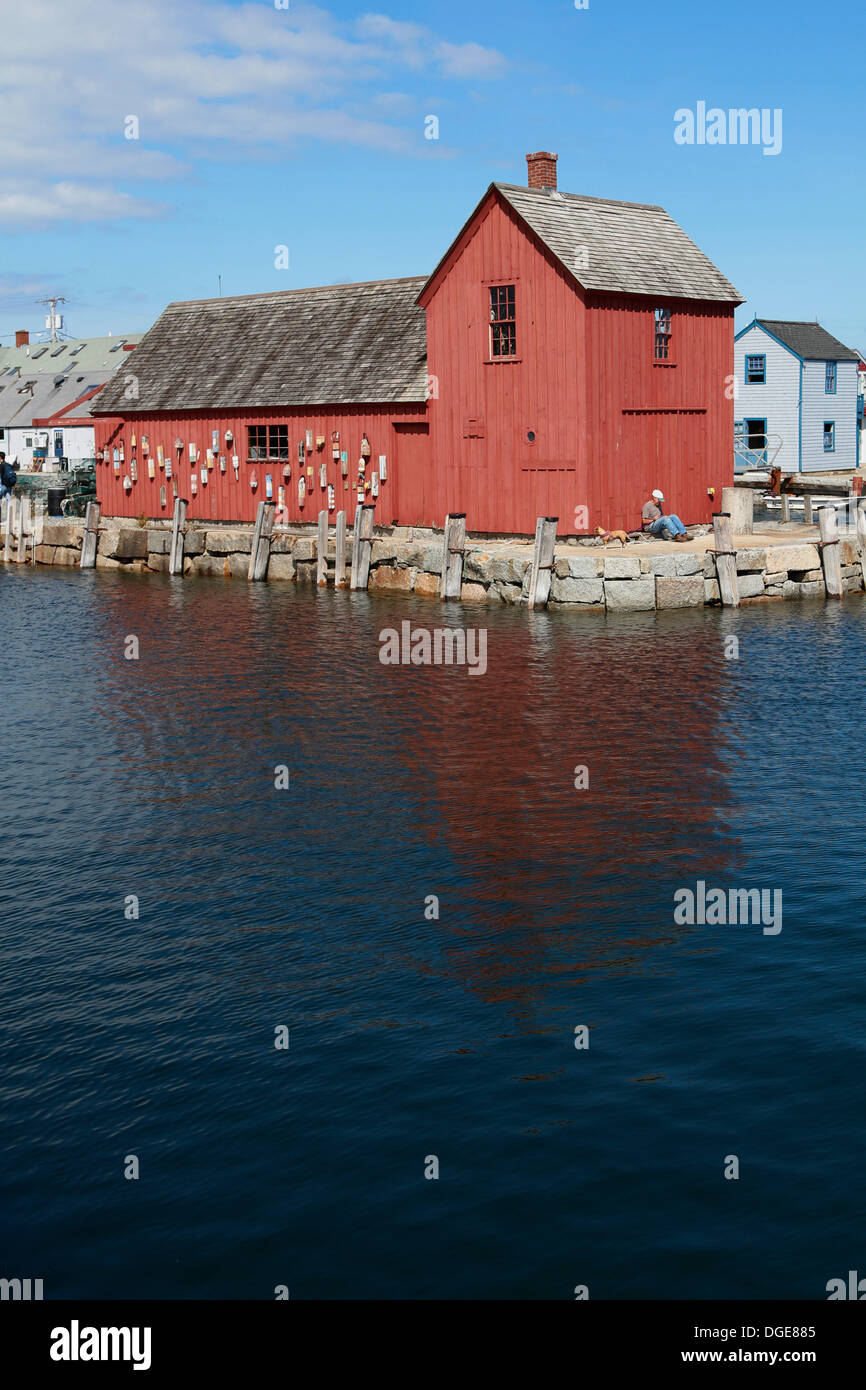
(503, 323)
(257, 441)
(829, 436)
(278, 441)
(662, 340)
(268, 441)
(830, 379)
(756, 370)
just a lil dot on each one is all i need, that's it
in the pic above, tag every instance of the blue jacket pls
(8, 476)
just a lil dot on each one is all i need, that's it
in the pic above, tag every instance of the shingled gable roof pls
(808, 340)
(330, 345)
(630, 248)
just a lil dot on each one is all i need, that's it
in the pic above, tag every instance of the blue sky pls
(304, 126)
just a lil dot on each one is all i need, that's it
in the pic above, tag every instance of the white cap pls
(659, 495)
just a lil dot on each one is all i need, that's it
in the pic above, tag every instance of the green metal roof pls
(78, 354)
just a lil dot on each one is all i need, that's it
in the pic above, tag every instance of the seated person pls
(668, 528)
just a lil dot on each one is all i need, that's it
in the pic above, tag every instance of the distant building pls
(40, 383)
(796, 402)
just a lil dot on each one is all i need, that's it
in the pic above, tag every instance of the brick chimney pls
(22, 337)
(542, 169)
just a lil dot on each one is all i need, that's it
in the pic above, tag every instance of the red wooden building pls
(567, 355)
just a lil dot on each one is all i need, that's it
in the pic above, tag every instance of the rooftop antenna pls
(220, 280)
(54, 320)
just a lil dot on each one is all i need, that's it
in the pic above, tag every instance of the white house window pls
(829, 436)
(756, 369)
(830, 379)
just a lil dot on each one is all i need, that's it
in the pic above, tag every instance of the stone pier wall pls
(586, 578)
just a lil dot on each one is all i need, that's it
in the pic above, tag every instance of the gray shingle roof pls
(331, 345)
(809, 340)
(630, 248)
(20, 407)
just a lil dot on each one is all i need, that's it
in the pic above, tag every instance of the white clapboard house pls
(796, 399)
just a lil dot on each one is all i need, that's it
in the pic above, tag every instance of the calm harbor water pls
(412, 1037)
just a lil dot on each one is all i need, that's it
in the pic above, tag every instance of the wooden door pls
(404, 497)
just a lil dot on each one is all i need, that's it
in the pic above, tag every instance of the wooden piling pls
(37, 532)
(322, 549)
(260, 552)
(786, 506)
(726, 560)
(831, 560)
(453, 549)
(362, 546)
(340, 557)
(175, 559)
(11, 507)
(91, 536)
(23, 504)
(807, 510)
(542, 561)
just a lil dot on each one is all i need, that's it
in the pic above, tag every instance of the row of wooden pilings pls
(453, 549)
(23, 529)
(828, 545)
(22, 534)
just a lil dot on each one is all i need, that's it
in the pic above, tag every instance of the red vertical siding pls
(501, 480)
(658, 426)
(610, 425)
(225, 499)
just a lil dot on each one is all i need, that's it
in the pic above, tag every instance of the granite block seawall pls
(586, 578)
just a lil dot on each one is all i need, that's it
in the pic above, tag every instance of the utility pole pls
(53, 300)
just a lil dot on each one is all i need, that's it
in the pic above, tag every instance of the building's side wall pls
(777, 402)
(658, 425)
(226, 497)
(78, 442)
(17, 447)
(841, 407)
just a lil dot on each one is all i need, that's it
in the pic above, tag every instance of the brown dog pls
(611, 535)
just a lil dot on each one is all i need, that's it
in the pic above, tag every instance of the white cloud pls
(469, 60)
(73, 202)
(204, 81)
